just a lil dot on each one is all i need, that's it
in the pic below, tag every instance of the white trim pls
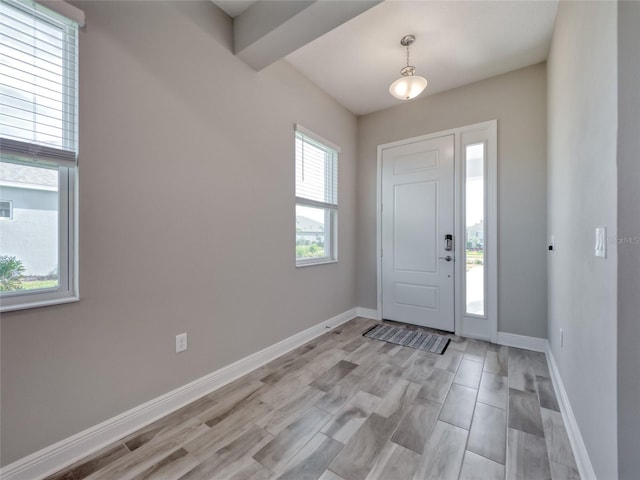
(318, 138)
(65, 452)
(310, 262)
(585, 469)
(486, 133)
(490, 131)
(458, 236)
(370, 313)
(42, 302)
(492, 230)
(522, 341)
(379, 234)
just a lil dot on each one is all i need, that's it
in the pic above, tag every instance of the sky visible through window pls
(474, 212)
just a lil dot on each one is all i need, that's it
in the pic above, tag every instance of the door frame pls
(484, 328)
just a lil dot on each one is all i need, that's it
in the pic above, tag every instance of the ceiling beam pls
(269, 30)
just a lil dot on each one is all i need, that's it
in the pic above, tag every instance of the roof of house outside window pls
(308, 225)
(24, 176)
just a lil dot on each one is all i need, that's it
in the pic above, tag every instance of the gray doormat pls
(429, 342)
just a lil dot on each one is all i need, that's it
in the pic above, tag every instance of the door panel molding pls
(485, 327)
(418, 198)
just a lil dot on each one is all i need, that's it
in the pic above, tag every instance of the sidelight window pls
(475, 228)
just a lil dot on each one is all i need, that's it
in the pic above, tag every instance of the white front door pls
(417, 215)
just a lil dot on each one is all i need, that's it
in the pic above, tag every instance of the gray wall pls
(582, 123)
(629, 232)
(518, 101)
(186, 158)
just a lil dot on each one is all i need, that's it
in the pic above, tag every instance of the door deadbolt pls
(448, 242)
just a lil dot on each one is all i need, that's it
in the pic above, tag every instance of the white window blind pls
(316, 172)
(38, 84)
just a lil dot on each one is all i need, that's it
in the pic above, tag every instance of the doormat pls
(429, 342)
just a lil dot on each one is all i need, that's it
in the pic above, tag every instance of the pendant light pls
(409, 85)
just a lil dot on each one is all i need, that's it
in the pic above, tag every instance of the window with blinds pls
(316, 199)
(38, 84)
(38, 152)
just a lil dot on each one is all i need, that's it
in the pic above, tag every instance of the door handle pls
(448, 258)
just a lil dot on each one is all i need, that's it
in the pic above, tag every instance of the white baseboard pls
(368, 313)
(56, 457)
(585, 469)
(522, 341)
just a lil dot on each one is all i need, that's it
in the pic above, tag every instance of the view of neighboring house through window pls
(31, 238)
(38, 149)
(474, 221)
(316, 199)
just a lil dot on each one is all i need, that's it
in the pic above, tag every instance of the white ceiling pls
(457, 43)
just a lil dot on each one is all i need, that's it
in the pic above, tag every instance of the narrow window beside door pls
(475, 228)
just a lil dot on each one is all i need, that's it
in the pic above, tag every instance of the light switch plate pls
(181, 342)
(601, 242)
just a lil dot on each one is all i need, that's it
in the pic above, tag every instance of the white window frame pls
(331, 211)
(468, 139)
(485, 326)
(64, 161)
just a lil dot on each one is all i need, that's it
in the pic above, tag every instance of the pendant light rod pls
(407, 41)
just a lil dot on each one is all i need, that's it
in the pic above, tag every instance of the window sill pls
(319, 262)
(38, 303)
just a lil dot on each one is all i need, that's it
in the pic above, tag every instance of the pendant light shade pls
(406, 88)
(409, 85)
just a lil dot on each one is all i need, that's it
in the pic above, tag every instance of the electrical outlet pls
(181, 342)
(561, 338)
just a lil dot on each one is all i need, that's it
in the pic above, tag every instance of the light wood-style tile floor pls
(345, 407)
